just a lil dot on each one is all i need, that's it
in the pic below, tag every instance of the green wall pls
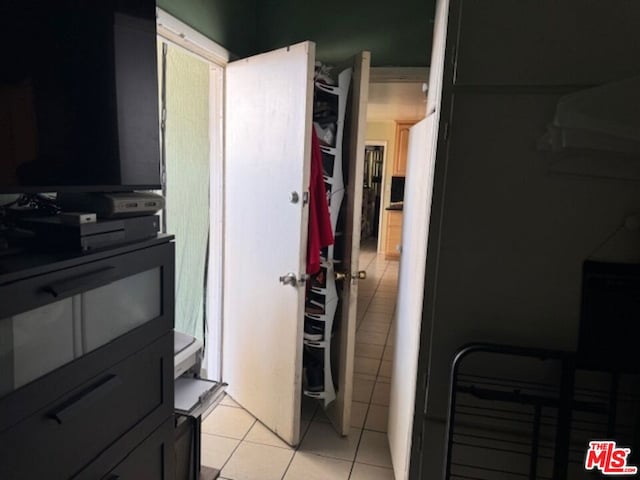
(397, 32)
(230, 23)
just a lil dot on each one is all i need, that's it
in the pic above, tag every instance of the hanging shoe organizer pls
(322, 297)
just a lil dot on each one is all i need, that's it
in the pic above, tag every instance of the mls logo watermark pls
(610, 459)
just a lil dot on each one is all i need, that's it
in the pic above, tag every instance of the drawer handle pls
(81, 283)
(98, 391)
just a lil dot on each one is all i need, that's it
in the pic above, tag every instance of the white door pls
(415, 232)
(339, 412)
(267, 166)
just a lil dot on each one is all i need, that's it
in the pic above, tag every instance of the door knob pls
(293, 280)
(361, 275)
(289, 279)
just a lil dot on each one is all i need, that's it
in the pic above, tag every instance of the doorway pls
(191, 76)
(374, 159)
(219, 224)
(242, 447)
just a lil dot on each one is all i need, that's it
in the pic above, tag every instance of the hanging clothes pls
(320, 233)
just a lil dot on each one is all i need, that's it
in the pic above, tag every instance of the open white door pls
(339, 412)
(415, 231)
(267, 165)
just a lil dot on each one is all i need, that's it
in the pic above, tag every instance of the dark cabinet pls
(545, 42)
(86, 361)
(151, 460)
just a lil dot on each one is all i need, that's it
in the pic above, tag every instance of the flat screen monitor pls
(397, 189)
(78, 96)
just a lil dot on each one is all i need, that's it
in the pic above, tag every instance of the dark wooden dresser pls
(86, 364)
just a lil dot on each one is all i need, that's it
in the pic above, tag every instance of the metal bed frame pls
(522, 413)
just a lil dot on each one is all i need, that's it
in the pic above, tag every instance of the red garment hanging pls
(320, 233)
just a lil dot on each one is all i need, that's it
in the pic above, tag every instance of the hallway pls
(236, 443)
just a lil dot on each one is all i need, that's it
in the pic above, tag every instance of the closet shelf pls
(335, 185)
(329, 150)
(318, 317)
(328, 397)
(329, 312)
(315, 303)
(333, 181)
(317, 344)
(329, 263)
(331, 89)
(324, 291)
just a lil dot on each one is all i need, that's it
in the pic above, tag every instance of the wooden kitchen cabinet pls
(402, 147)
(394, 234)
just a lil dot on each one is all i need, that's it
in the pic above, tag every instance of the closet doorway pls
(191, 77)
(250, 309)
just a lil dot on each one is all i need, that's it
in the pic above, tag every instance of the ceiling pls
(396, 101)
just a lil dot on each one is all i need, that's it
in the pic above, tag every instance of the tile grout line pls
(284, 474)
(297, 448)
(239, 443)
(355, 455)
(316, 410)
(315, 415)
(379, 279)
(384, 349)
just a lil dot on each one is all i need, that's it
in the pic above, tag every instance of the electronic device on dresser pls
(54, 233)
(114, 204)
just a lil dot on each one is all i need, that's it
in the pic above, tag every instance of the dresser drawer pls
(33, 292)
(153, 459)
(50, 320)
(62, 438)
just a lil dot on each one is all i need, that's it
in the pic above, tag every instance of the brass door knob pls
(361, 275)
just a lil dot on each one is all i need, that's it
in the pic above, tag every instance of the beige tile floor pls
(239, 445)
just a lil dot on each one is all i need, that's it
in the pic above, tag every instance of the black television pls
(78, 96)
(397, 189)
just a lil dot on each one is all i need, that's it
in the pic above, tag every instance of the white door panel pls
(267, 158)
(415, 230)
(339, 412)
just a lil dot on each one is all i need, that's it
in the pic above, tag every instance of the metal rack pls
(520, 413)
